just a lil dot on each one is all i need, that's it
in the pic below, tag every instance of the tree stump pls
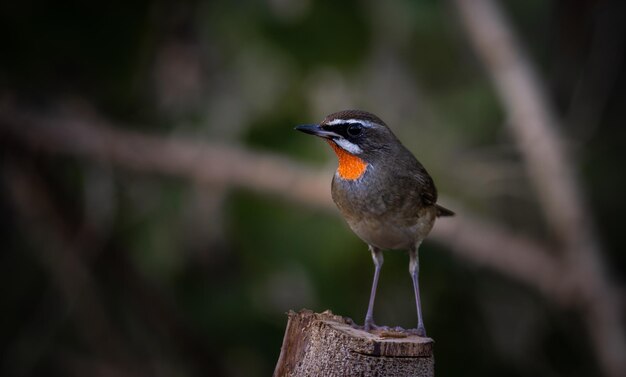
(324, 344)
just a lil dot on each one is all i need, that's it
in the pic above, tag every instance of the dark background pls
(110, 270)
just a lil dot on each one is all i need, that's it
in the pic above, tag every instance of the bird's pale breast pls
(384, 211)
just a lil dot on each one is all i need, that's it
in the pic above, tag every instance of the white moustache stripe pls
(365, 123)
(348, 146)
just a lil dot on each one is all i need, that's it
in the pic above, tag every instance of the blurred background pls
(160, 216)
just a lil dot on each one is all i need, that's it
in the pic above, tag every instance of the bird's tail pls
(442, 212)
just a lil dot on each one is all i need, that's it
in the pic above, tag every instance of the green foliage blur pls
(195, 280)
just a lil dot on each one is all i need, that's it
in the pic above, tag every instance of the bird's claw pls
(419, 331)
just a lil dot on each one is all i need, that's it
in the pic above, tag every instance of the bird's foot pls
(370, 326)
(419, 331)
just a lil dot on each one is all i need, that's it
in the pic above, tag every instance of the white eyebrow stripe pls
(348, 146)
(365, 123)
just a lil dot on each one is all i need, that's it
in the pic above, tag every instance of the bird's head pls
(358, 138)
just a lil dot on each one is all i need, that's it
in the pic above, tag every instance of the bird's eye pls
(355, 129)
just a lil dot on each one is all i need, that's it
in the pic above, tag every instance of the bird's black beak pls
(311, 129)
(315, 129)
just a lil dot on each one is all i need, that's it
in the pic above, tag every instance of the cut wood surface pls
(324, 344)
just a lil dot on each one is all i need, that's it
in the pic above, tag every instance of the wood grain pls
(324, 344)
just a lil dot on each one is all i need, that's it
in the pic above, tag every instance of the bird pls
(382, 191)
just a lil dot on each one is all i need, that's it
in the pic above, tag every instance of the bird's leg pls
(414, 268)
(377, 256)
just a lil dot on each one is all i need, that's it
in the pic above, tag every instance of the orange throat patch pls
(350, 166)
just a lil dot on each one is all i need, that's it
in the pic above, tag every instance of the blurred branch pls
(205, 163)
(216, 164)
(535, 128)
(517, 256)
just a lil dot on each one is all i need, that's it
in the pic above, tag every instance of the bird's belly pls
(381, 235)
(380, 217)
(385, 233)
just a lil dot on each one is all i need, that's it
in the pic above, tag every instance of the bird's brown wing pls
(425, 186)
(408, 194)
(429, 197)
(427, 189)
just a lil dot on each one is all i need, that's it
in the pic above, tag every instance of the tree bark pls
(324, 344)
